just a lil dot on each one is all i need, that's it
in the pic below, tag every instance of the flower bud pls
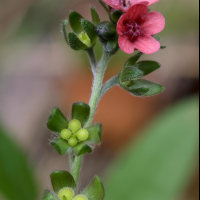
(84, 39)
(74, 125)
(82, 134)
(72, 141)
(106, 30)
(80, 197)
(66, 193)
(66, 134)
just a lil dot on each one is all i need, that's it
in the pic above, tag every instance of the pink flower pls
(136, 28)
(125, 4)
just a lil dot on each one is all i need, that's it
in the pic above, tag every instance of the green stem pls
(97, 84)
(75, 167)
(105, 7)
(108, 85)
(92, 58)
(76, 161)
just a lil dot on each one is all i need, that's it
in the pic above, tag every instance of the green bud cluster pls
(68, 194)
(75, 133)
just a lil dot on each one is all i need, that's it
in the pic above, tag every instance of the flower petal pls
(137, 11)
(147, 44)
(153, 23)
(120, 23)
(126, 45)
(114, 4)
(150, 2)
(133, 2)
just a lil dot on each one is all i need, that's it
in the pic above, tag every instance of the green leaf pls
(95, 133)
(95, 16)
(95, 190)
(75, 22)
(17, 178)
(82, 149)
(159, 165)
(132, 61)
(163, 47)
(81, 112)
(57, 121)
(48, 195)
(138, 70)
(89, 28)
(75, 42)
(61, 179)
(142, 88)
(116, 15)
(61, 146)
(64, 24)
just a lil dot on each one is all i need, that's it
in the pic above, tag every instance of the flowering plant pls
(131, 27)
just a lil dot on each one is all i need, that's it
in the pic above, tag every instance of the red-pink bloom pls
(137, 27)
(125, 4)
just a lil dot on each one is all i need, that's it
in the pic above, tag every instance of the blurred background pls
(39, 71)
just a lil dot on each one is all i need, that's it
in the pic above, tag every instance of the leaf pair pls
(129, 77)
(63, 179)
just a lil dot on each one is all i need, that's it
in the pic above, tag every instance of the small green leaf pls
(116, 15)
(163, 47)
(81, 112)
(61, 179)
(75, 42)
(95, 190)
(138, 70)
(82, 149)
(48, 195)
(61, 146)
(132, 61)
(95, 16)
(64, 24)
(142, 88)
(89, 28)
(75, 22)
(95, 133)
(57, 121)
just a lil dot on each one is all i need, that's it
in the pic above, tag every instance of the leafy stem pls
(97, 84)
(98, 71)
(75, 167)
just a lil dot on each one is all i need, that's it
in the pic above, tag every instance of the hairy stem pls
(92, 59)
(97, 84)
(108, 85)
(99, 70)
(75, 167)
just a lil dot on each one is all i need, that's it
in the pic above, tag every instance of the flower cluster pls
(73, 135)
(137, 26)
(131, 27)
